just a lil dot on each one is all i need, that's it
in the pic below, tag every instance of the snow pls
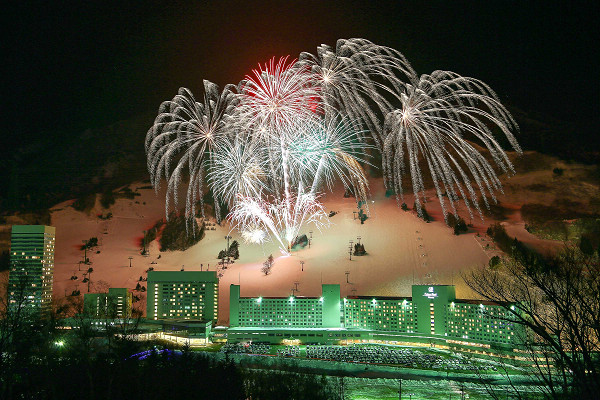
(401, 250)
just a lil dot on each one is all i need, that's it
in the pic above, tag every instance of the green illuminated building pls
(289, 312)
(114, 304)
(30, 278)
(431, 315)
(389, 313)
(182, 295)
(429, 305)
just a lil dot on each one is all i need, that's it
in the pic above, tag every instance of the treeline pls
(457, 223)
(555, 305)
(180, 233)
(557, 138)
(566, 221)
(94, 160)
(164, 375)
(512, 246)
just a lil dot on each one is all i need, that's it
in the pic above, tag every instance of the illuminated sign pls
(430, 294)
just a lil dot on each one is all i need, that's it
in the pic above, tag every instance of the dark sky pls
(69, 66)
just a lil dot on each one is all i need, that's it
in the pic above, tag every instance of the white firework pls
(439, 115)
(356, 80)
(279, 219)
(254, 234)
(186, 133)
(239, 167)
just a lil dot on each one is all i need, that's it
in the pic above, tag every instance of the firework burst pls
(280, 220)
(186, 133)
(436, 117)
(268, 146)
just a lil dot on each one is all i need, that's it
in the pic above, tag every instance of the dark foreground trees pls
(40, 360)
(74, 373)
(559, 306)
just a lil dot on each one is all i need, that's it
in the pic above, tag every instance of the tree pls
(423, 214)
(558, 171)
(585, 245)
(90, 243)
(180, 233)
(234, 251)
(362, 216)
(359, 249)
(267, 265)
(495, 262)
(107, 199)
(426, 217)
(27, 335)
(558, 306)
(451, 220)
(457, 224)
(460, 226)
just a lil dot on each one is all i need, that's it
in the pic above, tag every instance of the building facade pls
(286, 312)
(182, 295)
(114, 304)
(432, 314)
(31, 274)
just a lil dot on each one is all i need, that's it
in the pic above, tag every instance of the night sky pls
(68, 67)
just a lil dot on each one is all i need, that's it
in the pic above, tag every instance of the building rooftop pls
(484, 302)
(33, 229)
(281, 298)
(183, 276)
(379, 298)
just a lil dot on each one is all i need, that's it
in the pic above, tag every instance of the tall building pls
(30, 278)
(114, 304)
(432, 314)
(182, 295)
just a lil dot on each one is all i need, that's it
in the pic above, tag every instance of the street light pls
(130, 258)
(400, 389)
(144, 243)
(302, 264)
(227, 249)
(85, 246)
(90, 270)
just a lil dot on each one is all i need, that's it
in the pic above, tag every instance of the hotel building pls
(432, 315)
(30, 277)
(114, 304)
(182, 295)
